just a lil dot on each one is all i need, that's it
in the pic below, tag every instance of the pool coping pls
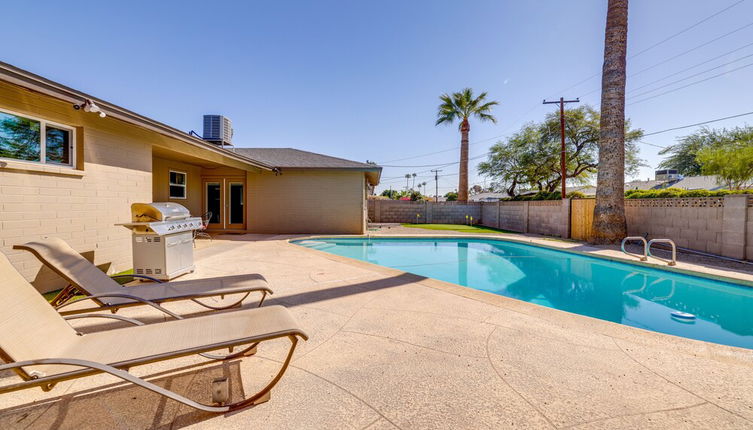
(604, 327)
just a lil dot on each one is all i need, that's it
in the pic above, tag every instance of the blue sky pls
(361, 80)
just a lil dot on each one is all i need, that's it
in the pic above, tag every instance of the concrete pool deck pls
(393, 350)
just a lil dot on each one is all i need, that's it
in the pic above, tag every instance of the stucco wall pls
(161, 188)
(310, 201)
(79, 207)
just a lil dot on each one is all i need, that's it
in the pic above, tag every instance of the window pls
(35, 140)
(177, 185)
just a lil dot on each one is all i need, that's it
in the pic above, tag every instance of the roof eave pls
(37, 83)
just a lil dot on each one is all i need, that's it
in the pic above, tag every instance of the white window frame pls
(184, 185)
(43, 140)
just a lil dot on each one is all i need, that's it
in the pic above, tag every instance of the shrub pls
(668, 193)
(575, 195)
(695, 193)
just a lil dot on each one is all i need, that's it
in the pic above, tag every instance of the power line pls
(659, 43)
(692, 49)
(687, 29)
(685, 78)
(691, 84)
(698, 123)
(597, 74)
(686, 69)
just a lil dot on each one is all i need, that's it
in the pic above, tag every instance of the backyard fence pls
(717, 225)
(581, 219)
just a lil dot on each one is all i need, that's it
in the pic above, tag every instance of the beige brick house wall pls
(310, 201)
(80, 206)
(160, 183)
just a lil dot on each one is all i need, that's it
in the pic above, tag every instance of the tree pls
(392, 194)
(476, 189)
(451, 196)
(683, 155)
(19, 138)
(461, 106)
(609, 225)
(732, 162)
(531, 157)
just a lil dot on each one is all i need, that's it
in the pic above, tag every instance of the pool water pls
(629, 294)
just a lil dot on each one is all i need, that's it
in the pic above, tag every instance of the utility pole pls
(563, 154)
(436, 184)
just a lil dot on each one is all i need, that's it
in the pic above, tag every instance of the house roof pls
(707, 182)
(291, 158)
(699, 183)
(296, 159)
(643, 185)
(487, 197)
(31, 81)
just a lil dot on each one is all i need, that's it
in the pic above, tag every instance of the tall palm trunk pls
(465, 127)
(609, 214)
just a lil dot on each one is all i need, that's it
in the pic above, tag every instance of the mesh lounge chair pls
(43, 349)
(202, 232)
(105, 293)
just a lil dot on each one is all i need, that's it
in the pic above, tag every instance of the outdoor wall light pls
(90, 106)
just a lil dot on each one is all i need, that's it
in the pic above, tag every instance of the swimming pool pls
(630, 294)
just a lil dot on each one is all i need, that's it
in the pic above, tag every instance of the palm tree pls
(609, 224)
(461, 106)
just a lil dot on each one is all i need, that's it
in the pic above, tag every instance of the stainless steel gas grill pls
(162, 239)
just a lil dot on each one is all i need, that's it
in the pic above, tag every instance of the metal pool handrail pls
(671, 262)
(645, 255)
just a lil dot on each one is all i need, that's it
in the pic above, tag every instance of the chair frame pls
(120, 370)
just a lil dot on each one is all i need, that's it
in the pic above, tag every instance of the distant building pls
(670, 178)
(487, 197)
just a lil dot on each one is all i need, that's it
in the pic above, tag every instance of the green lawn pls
(457, 227)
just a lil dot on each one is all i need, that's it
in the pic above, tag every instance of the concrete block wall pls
(402, 211)
(490, 215)
(513, 216)
(717, 225)
(545, 217)
(540, 217)
(694, 223)
(749, 230)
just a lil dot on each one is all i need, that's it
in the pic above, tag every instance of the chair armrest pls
(124, 296)
(109, 316)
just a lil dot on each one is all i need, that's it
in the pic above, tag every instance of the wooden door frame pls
(224, 182)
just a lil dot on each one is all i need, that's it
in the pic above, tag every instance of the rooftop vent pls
(218, 129)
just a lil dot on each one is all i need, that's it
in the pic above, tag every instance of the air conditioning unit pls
(218, 129)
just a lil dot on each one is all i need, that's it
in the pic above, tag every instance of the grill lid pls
(158, 211)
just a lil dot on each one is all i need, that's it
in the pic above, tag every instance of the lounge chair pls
(43, 349)
(105, 293)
